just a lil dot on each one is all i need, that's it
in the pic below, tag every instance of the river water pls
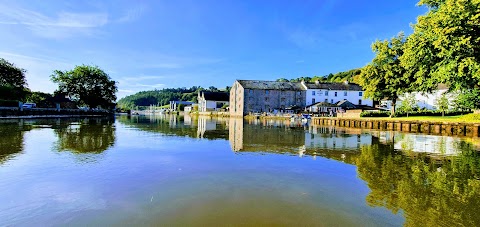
(184, 171)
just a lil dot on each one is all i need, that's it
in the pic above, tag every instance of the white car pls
(29, 105)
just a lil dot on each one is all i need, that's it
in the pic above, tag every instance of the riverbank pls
(16, 113)
(440, 126)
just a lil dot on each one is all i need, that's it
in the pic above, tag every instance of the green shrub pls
(375, 114)
(8, 103)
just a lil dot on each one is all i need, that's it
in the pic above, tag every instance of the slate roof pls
(323, 104)
(271, 85)
(216, 96)
(334, 86)
(346, 104)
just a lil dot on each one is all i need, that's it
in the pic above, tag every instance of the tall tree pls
(12, 80)
(445, 46)
(88, 85)
(442, 103)
(384, 77)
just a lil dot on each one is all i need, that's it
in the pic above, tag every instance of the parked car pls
(29, 105)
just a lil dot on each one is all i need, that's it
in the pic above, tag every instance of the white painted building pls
(334, 93)
(212, 101)
(424, 100)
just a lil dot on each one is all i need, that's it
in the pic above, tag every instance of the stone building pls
(256, 96)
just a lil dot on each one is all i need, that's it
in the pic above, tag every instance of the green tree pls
(467, 100)
(88, 85)
(445, 46)
(12, 81)
(384, 77)
(442, 103)
(409, 103)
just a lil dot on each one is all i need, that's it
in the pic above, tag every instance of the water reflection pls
(296, 138)
(86, 136)
(203, 127)
(431, 191)
(11, 139)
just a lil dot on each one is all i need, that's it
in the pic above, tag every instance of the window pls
(266, 99)
(345, 93)
(313, 101)
(326, 100)
(359, 102)
(360, 93)
(331, 100)
(313, 92)
(335, 94)
(326, 93)
(266, 92)
(250, 91)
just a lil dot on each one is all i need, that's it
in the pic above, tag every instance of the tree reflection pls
(90, 136)
(429, 190)
(11, 140)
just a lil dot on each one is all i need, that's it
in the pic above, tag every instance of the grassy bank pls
(468, 118)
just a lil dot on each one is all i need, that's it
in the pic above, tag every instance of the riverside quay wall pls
(429, 127)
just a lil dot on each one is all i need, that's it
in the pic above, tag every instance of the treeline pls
(162, 97)
(443, 49)
(82, 86)
(351, 76)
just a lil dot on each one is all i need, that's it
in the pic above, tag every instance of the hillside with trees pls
(161, 97)
(351, 76)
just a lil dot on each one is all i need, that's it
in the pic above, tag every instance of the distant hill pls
(351, 76)
(161, 97)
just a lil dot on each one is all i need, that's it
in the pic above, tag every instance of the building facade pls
(334, 93)
(212, 101)
(256, 96)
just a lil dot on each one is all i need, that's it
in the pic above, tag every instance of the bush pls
(8, 103)
(375, 114)
(413, 113)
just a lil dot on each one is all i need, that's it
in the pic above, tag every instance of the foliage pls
(445, 45)
(375, 114)
(43, 100)
(181, 107)
(159, 97)
(384, 77)
(467, 100)
(10, 75)
(8, 103)
(351, 75)
(87, 85)
(12, 81)
(413, 113)
(409, 103)
(442, 103)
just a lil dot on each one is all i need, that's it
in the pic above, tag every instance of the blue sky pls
(147, 45)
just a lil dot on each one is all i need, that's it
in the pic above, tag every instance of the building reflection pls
(297, 139)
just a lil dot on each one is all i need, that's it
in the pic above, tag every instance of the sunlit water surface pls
(184, 171)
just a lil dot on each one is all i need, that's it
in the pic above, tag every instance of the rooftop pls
(216, 96)
(334, 86)
(271, 85)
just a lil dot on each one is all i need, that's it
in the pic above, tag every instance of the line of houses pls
(275, 97)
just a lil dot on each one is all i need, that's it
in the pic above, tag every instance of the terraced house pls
(256, 96)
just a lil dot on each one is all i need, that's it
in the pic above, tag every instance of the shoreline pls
(48, 116)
